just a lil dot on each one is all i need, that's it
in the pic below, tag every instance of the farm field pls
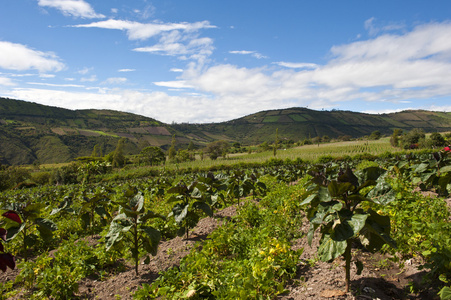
(349, 220)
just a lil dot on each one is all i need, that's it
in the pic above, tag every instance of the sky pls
(203, 61)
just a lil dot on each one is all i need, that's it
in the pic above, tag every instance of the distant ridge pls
(31, 132)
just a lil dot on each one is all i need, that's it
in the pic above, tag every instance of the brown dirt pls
(381, 278)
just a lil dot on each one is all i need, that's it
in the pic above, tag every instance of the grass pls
(307, 153)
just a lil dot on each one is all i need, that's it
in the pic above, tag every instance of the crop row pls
(347, 200)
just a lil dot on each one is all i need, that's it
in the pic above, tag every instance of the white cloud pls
(175, 39)
(75, 8)
(6, 81)
(115, 80)
(19, 57)
(143, 31)
(296, 65)
(56, 85)
(126, 70)
(179, 84)
(92, 78)
(252, 53)
(85, 71)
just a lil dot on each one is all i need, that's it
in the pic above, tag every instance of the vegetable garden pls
(54, 239)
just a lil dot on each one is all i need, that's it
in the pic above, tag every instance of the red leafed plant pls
(7, 259)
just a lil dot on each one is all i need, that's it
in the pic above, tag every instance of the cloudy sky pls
(204, 61)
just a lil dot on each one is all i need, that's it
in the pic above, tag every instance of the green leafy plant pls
(95, 204)
(27, 218)
(7, 259)
(130, 226)
(190, 203)
(334, 206)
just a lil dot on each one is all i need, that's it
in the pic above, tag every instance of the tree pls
(437, 140)
(172, 152)
(375, 135)
(191, 146)
(276, 142)
(412, 138)
(394, 140)
(217, 149)
(152, 155)
(97, 151)
(118, 155)
(184, 155)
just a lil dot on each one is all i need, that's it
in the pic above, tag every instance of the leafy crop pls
(130, 226)
(29, 216)
(189, 202)
(334, 200)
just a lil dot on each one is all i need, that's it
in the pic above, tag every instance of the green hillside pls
(31, 132)
(300, 123)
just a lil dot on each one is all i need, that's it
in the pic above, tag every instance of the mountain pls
(31, 132)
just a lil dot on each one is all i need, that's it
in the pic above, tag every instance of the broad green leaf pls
(114, 234)
(338, 189)
(154, 237)
(445, 169)
(14, 231)
(330, 249)
(372, 173)
(349, 227)
(323, 194)
(204, 207)
(180, 213)
(308, 200)
(45, 228)
(101, 211)
(311, 233)
(349, 177)
(376, 232)
(137, 202)
(382, 193)
(445, 293)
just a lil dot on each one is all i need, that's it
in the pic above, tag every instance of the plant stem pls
(347, 256)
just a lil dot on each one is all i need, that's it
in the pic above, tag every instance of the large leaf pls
(154, 237)
(114, 235)
(372, 173)
(445, 293)
(445, 169)
(180, 212)
(14, 231)
(137, 202)
(204, 207)
(12, 215)
(349, 227)
(64, 205)
(7, 260)
(45, 228)
(330, 249)
(349, 176)
(376, 232)
(337, 189)
(382, 193)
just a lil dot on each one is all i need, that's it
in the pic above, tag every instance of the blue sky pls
(210, 61)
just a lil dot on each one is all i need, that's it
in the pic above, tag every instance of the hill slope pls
(300, 123)
(31, 132)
